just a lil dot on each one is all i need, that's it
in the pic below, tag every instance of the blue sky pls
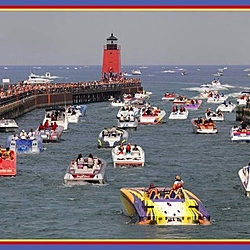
(146, 37)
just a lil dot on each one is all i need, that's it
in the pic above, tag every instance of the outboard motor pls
(13, 145)
(35, 146)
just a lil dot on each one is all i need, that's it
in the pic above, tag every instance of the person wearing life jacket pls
(31, 134)
(152, 191)
(178, 183)
(7, 155)
(128, 148)
(23, 134)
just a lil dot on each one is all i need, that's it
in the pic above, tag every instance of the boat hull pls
(179, 115)
(240, 136)
(244, 176)
(8, 166)
(111, 141)
(82, 173)
(167, 208)
(29, 145)
(202, 129)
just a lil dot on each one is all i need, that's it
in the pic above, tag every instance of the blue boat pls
(80, 109)
(25, 145)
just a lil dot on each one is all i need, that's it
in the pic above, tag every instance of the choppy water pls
(36, 204)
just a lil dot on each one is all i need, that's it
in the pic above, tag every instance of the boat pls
(49, 76)
(55, 114)
(36, 79)
(50, 134)
(192, 104)
(71, 115)
(218, 74)
(136, 72)
(143, 95)
(169, 96)
(163, 206)
(111, 137)
(8, 125)
(80, 109)
(243, 98)
(82, 171)
(126, 155)
(151, 115)
(203, 126)
(239, 134)
(127, 117)
(8, 162)
(218, 98)
(24, 143)
(118, 102)
(226, 107)
(214, 116)
(244, 176)
(179, 114)
(179, 100)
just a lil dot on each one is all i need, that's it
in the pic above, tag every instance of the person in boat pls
(23, 134)
(54, 126)
(219, 113)
(105, 132)
(46, 124)
(243, 125)
(132, 118)
(113, 131)
(79, 159)
(90, 161)
(127, 118)
(246, 169)
(121, 118)
(7, 154)
(128, 148)
(31, 134)
(135, 148)
(41, 127)
(178, 183)
(152, 191)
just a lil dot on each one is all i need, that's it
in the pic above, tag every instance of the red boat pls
(8, 163)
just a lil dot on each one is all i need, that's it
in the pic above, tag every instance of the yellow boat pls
(164, 206)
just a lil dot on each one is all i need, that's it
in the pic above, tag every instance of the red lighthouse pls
(111, 66)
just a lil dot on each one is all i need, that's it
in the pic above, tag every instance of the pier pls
(22, 99)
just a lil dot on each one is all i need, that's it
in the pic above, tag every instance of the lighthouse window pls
(110, 53)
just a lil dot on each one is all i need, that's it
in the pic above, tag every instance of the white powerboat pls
(36, 79)
(180, 115)
(134, 157)
(151, 115)
(55, 114)
(136, 72)
(8, 125)
(245, 179)
(79, 172)
(237, 134)
(214, 116)
(203, 126)
(226, 107)
(50, 134)
(111, 137)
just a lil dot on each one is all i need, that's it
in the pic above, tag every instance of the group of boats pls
(157, 205)
(30, 142)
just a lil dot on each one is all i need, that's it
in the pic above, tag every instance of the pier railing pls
(22, 99)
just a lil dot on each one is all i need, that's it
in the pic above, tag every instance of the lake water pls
(36, 204)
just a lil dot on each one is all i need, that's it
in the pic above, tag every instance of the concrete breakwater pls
(17, 103)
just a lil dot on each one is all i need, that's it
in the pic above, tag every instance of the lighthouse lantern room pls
(111, 66)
